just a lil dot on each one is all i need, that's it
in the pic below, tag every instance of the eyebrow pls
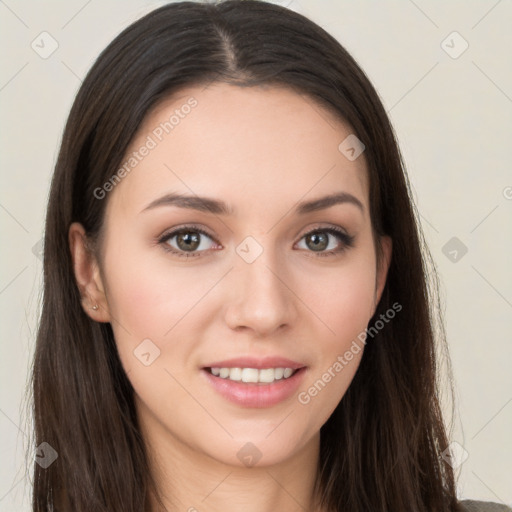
(206, 204)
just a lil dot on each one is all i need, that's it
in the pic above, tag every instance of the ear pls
(87, 275)
(386, 245)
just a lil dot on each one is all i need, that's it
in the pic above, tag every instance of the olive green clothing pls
(484, 506)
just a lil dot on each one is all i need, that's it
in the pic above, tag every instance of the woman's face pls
(249, 272)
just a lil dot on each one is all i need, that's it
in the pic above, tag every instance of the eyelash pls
(346, 240)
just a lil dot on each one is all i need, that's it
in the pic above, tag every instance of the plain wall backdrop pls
(443, 72)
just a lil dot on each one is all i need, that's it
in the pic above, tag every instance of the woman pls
(236, 313)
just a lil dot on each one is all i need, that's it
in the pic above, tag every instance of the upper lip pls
(257, 363)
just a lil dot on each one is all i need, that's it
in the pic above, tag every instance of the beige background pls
(452, 117)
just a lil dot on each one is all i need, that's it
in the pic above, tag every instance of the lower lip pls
(256, 395)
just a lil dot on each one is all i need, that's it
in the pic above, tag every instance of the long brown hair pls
(380, 449)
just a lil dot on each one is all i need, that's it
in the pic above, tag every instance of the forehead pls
(250, 146)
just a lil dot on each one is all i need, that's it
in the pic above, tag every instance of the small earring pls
(95, 307)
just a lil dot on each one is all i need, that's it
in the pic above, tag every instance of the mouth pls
(255, 383)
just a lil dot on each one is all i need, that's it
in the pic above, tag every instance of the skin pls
(261, 150)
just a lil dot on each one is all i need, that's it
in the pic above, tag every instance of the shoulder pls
(483, 506)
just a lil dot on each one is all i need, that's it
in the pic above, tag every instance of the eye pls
(189, 241)
(319, 240)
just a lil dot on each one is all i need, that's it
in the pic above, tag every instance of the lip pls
(255, 395)
(257, 363)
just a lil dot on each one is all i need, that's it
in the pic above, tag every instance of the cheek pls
(342, 298)
(150, 300)
(148, 296)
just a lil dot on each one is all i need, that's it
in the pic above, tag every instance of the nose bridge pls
(261, 300)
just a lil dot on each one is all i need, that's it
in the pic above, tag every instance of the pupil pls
(317, 242)
(191, 241)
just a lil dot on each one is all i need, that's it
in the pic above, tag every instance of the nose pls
(262, 298)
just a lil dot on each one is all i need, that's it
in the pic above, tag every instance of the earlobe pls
(382, 269)
(87, 275)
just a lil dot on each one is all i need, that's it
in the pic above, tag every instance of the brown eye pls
(318, 241)
(186, 241)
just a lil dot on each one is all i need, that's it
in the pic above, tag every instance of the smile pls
(255, 382)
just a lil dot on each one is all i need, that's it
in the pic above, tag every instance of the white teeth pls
(278, 373)
(235, 374)
(265, 375)
(249, 375)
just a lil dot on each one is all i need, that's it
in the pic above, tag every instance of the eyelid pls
(169, 233)
(323, 227)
